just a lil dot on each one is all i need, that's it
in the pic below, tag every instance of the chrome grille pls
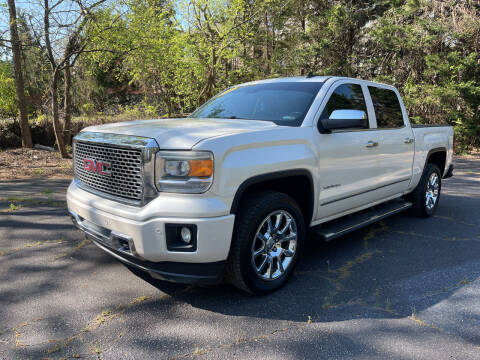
(126, 179)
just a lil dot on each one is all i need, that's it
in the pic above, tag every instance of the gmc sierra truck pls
(232, 191)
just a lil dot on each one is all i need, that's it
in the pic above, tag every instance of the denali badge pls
(100, 167)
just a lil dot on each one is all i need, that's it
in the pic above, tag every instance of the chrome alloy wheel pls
(432, 191)
(274, 245)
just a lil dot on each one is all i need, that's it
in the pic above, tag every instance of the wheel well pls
(438, 158)
(299, 187)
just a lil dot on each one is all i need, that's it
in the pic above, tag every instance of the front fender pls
(241, 157)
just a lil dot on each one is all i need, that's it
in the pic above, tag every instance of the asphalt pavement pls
(404, 288)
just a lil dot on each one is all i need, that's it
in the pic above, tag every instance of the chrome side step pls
(338, 227)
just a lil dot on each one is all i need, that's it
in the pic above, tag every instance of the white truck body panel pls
(181, 133)
(426, 139)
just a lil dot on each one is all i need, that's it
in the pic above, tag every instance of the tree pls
(8, 96)
(430, 50)
(164, 57)
(160, 46)
(18, 72)
(215, 33)
(74, 18)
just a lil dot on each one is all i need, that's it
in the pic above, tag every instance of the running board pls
(344, 225)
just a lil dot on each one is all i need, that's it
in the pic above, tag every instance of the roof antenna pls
(310, 75)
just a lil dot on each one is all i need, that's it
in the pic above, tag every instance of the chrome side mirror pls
(345, 119)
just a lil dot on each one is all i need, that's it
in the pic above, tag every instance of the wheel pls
(426, 195)
(268, 239)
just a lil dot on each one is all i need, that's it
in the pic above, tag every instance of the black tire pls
(418, 196)
(250, 219)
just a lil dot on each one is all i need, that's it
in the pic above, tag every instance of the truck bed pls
(431, 138)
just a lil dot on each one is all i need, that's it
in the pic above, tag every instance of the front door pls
(348, 158)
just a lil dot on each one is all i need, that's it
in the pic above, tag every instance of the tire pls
(251, 235)
(425, 190)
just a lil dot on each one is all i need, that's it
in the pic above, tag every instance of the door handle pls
(408, 140)
(371, 144)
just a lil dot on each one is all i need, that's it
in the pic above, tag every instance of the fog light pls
(181, 237)
(186, 235)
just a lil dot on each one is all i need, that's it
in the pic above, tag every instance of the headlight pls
(183, 171)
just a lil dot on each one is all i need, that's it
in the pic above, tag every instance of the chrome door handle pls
(408, 140)
(371, 144)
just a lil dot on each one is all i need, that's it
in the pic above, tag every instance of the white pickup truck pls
(231, 191)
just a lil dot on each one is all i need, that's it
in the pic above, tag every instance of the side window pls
(387, 108)
(347, 100)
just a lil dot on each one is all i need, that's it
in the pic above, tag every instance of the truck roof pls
(293, 79)
(314, 78)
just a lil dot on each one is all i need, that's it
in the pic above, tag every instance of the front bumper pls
(186, 273)
(141, 242)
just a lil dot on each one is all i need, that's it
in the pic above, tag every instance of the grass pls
(95, 350)
(55, 349)
(199, 351)
(80, 245)
(18, 202)
(139, 299)
(14, 207)
(64, 166)
(29, 245)
(100, 319)
(416, 319)
(345, 270)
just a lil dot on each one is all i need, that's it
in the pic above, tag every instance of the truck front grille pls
(123, 175)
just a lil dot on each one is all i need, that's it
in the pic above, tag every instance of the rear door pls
(396, 142)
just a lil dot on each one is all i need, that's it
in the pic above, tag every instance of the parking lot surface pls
(404, 288)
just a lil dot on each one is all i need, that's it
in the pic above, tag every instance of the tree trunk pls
(56, 122)
(67, 106)
(267, 47)
(19, 83)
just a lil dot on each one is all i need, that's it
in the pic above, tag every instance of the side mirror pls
(345, 119)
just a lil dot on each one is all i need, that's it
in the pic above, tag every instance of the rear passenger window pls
(347, 97)
(387, 108)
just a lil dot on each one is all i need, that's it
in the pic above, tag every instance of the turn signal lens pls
(201, 168)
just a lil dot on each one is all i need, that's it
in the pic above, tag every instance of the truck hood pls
(181, 133)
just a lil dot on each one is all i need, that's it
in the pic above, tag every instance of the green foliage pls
(8, 97)
(430, 51)
(152, 58)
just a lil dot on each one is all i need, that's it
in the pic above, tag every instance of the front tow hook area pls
(112, 239)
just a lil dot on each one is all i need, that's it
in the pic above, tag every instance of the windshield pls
(285, 103)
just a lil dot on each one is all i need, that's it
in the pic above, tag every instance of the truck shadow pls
(393, 269)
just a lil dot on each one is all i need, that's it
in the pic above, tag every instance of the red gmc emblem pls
(97, 166)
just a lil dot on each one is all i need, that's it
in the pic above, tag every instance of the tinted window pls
(346, 97)
(387, 108)
(285, 103)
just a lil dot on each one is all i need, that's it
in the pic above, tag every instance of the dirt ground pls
(32, 163)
